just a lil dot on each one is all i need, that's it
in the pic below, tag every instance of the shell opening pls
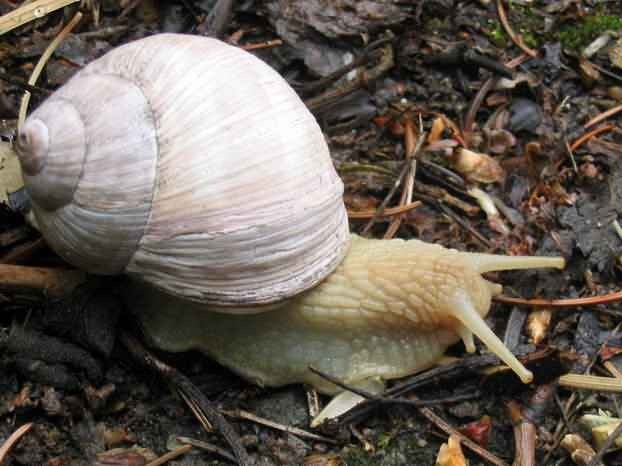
(32, 146)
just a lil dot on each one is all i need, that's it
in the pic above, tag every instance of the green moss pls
(358, 457)
(531, 40)
(577, 35)
(498, 36)
(393, 449)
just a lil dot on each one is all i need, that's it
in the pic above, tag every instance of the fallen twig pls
(25, 86)
(41, 63)
(526, 422)
(591, 382)
(467, 442)
(22, 252)
(587, 136)
(410, 138)
(385, 63)
(207, 447)
(53, 282)
(29, 12)
(407, 166)
(189, 391)
(262, 45)
(13, 439)
(465, 224)
(241, 414)
(603, 116)
(170, 455)
(426, 412)
(517, 39)
(388, 212)
(469, 119)
(560, 303)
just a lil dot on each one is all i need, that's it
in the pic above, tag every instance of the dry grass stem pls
(23, 109)
(591, 382)
(29, 12)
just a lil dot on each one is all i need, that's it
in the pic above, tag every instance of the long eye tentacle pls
(494, 263)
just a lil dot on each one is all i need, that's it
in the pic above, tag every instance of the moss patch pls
(579, 34)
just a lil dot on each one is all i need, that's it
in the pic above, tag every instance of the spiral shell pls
(190, 164)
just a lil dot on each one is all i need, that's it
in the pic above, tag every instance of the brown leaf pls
(479, 430)
(477, 166)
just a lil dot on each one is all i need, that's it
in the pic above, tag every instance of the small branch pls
(561, 303)
(587, 136)
(418, 403)
(591, 382)
(331, 96)
(13, 439)
(171, 455)
(389, 212)
(29, 12)
(410, 144)
(469, 119)
(603, 116)
(188, 391)
(465, 224)
(25, 86)
(513, 36)
(241, 414)
(207, 447)
(262, 45)
(53, 282)
(407, 166)
(467, 442)
(371, 52)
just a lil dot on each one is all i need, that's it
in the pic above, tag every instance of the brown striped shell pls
(191, 164)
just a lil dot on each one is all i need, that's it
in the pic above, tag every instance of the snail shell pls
(190, 164)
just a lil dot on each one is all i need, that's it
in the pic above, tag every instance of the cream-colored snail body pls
(192, 166)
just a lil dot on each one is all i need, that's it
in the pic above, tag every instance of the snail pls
(191, 166)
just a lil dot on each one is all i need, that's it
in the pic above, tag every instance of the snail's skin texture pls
(390, 309)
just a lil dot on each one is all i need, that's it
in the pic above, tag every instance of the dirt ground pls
(513, 112)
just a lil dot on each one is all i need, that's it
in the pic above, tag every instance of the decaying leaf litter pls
(485, 126)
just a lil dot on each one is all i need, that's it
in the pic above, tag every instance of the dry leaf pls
(580, 451)
(479, 430)
(450, 453)
(538, 324)
(615, 54)
(10, 172)
(477, 166)
(436, 132)
(322, 460)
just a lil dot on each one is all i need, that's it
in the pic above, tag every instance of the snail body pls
(194, 168)
(390, 309)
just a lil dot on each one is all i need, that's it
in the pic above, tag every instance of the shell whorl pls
(232, 198)
(51, 152)
(92, 194)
